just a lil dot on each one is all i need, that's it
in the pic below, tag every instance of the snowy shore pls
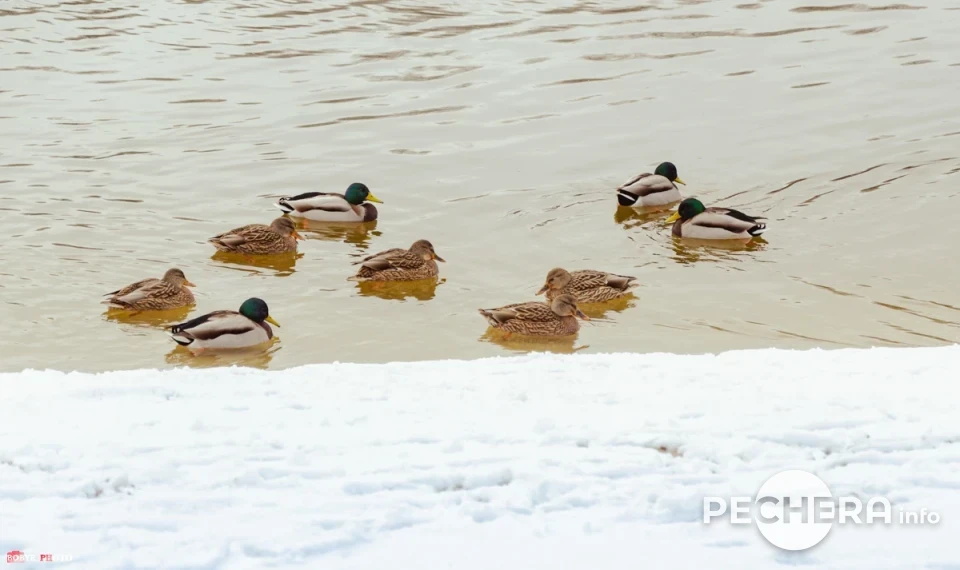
(544, 461)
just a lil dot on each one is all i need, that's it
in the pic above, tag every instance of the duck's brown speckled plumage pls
(559, 318)
(257, 239)
(170, 292)
(586, 285)
(418, 262)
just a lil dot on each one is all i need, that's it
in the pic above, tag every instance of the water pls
(133, 131)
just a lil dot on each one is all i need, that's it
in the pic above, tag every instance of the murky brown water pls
(132, 131)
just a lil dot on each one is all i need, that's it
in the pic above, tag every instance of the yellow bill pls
(677, 179)
(270, 320)
(673, 218)
(372, 198)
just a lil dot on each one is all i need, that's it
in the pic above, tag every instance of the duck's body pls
(418, 262)
(351, 206)
(257, 239)
(656, 189)
(226, 329)
(693, 220)
(587, 285)
(559, 318)
(170, 292)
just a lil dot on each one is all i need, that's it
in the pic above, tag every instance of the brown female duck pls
(257, 239)
(559, 318)
(152, 294)
(418, 262)
(587, 285)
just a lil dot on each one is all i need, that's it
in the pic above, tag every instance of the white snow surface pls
(542, 461)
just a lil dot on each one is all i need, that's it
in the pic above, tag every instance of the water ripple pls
(498, 131)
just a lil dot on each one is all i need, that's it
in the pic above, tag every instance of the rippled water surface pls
(132, 131)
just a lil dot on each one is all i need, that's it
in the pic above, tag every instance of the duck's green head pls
(687, 209)
(668, 171)
(358, 193)
(256, 310)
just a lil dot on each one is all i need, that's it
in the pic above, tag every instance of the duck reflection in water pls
(598, 311)
(282, 263)
(523, 343)
(148, 319)
(634, 217)
(689, 250)
(252, 357)
(422, 290)
(358, 234)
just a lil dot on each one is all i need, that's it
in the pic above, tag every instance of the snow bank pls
(545, 461)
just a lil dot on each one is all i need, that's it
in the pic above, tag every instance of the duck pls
(351, 206)
(227, 329)
(558, 318)
(587, 285)
(257, 239)
(693, 220)
(418, 262)
(168, 292)
(657, 189)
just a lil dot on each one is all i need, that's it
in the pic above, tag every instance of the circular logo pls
(789, 507)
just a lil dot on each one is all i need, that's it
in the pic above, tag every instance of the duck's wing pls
(533, 312)
(132, 287)
(729, 220)
(646, 184)
(212, 325)
(326, 201)
(737, 214)
(378, 254)
(159, 290)
(393, 259)
(588, 279)
(245, 234)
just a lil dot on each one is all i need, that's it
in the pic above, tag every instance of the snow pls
(542, 461)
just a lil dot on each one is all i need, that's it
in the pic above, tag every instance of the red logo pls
(15, 556)
(46, 558)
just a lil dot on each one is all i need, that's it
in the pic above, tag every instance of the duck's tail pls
(625, 198)
(284, 205)
(491, 318)
(622, 282)
(114, 303)
(181, 340)
(179, 336)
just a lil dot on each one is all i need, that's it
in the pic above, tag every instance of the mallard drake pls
(170, 292)
(654, 189)
(693, 220)
(332, 207)
(559, 318)
(257, 239)
(227, 329)
(418, 262)
(587, 285)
